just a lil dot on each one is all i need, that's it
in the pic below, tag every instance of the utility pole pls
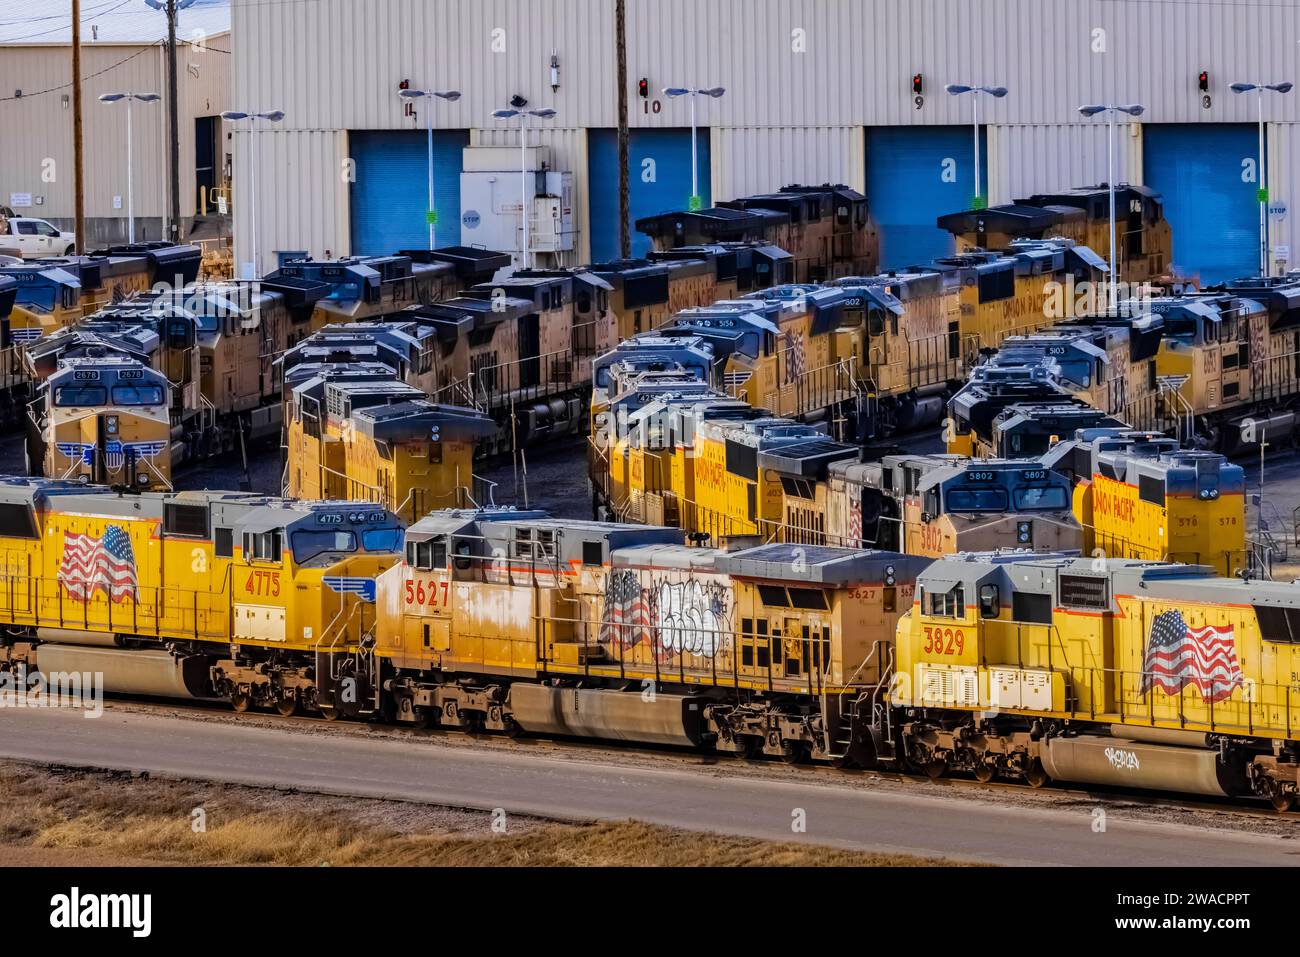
(624, 203)
(173, 130)
(77, 162)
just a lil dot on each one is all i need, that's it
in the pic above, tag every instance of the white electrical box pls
(492, 187)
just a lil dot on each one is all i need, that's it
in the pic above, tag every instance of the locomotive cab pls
(107, 421)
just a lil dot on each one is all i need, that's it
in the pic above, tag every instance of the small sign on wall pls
(117, 202)
(20, 200)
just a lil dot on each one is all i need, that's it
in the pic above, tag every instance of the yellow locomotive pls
(218, 342)
(359, 287)
(1119, 672)
(1124, 672)
(510, 620)
(366, 438)
(106, 420)
(1143, 236)
(1216, 369)
(1138, 495)
(262, 600)
(825, 229)
(934, 505)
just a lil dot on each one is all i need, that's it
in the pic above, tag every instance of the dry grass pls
(92, 818)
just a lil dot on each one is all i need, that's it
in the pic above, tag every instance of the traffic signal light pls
(643, 88)
(916, 83)
(1203, 81)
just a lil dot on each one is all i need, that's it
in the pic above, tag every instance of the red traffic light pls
(643, 88)
(1203, 81)
(916, 83)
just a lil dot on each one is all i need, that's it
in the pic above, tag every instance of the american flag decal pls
(90, 564)
(627, 611)
(1177, 656)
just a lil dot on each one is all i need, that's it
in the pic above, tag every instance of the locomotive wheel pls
(747, 748)
(287, 706)
(1036, 776)
(1282, 800)
(793, 752)
(240, 701)
(328, 712)
(935, 768)
(984, 773)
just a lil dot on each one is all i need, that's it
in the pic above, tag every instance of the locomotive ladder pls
(1178, 409)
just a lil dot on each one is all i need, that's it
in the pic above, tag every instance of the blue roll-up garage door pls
(915, 174)
(659, 182)
(390, 194)
(1213, 211)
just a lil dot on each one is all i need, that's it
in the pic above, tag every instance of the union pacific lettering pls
(1113, 500)
(711, 473)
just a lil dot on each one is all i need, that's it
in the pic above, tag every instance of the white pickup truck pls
(34, 238)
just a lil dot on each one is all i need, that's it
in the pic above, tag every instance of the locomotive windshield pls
(80, 395)
(137, 395)
(1051, 497)
(307, 545)
(977, 500)
(382, 540)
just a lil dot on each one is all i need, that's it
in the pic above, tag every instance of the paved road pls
(558, 787)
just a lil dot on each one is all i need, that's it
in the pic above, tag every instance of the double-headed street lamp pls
(957, 89)
(713, 92)
(452, 96)
(1131, 109)
(1259, 88)
(274, 116)
(130, 174)
(525, 117)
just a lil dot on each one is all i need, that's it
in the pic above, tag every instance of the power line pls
(64, 86)
(60, 27)
(52, 16)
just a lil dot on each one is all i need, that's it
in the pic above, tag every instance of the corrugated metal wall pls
(36, 127)
(1026, 159)
(749, 160)
(302, 188)
(803, 77)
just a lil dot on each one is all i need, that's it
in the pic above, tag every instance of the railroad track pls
(768, 767)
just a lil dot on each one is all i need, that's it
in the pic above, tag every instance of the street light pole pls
(714, 92)
(525, 118)
(523, 189)
(1265, 268)
(957, 89)
(130, 173)
(1132, 109)
(1112, 299)
(431, 215)
(274, 116)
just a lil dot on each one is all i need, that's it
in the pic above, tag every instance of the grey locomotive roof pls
(820, 564)
(244, 510)
(1167, 581)
(418, 417)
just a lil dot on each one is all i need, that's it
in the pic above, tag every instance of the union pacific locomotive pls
(1217, 369)
(1113, 671)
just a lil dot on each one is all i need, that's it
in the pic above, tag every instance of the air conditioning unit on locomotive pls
(490, 194)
